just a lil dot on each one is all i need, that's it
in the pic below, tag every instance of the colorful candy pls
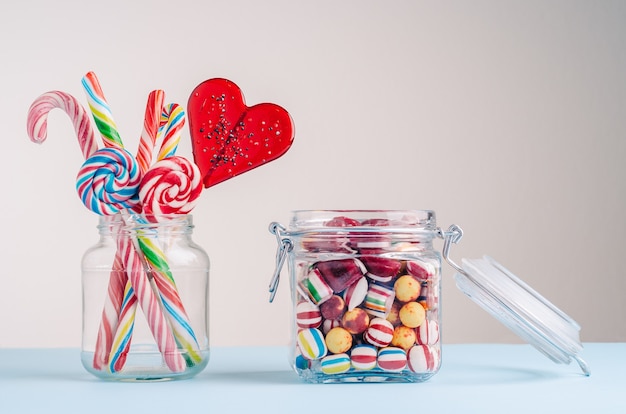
(421, 270)
(392, 359)
(355, 294)
(311, 343)
(171, 186)
(308, 315)
(101, 111)
(381, 269)
(423, 358)
(151, 306)
(108, 181)
(379, 300)
(427, 333)
(37, 120)
(372, 308)
(339, 274)
(363, 357)
(355, 321)
(338, 340)
(333, 308)
(379, 333)
(412, 314)
(151, 123)
(335, 364)
(315, 287)
(229, 138)
(407, 288)
(172, 122)
(403, 337)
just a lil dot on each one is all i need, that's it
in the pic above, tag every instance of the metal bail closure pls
(285, 245)
(515, 304)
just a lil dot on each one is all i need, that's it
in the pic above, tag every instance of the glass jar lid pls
(515, 304)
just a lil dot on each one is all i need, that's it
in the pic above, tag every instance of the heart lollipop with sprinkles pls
(229, 138)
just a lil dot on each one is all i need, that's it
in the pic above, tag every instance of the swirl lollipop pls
(172, 186)
(108, 181)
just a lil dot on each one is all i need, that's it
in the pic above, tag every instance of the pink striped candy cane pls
(37, 120)
(37, 128)
(150, 305)
(118, 348)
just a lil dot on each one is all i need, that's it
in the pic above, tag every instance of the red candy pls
(381, 269)
(339, 274)
(230, 138)
(419, 270)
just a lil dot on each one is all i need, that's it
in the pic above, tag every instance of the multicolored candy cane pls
(172, 122)
(118, 350)
(172, 186)
(147, 298)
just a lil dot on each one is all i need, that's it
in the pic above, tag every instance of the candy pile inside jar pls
(366, 302)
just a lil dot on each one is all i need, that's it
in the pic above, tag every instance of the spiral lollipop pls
(172, 186)
(108, 182)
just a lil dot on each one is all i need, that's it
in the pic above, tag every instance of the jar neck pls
(132, 224)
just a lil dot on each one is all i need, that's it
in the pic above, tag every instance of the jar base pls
(374, 376)
(144, 367)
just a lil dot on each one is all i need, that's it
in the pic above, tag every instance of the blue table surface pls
(485, 378)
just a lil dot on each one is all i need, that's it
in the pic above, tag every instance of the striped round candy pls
(311, 343)
(363, 357)
(427, 333)
(423, 358)
(335, 364)
(392, 359)
(315, 287)
(355, 294)
(379, 333)
(108, 181)
(379, 300)
(308, 315)
(171, 186)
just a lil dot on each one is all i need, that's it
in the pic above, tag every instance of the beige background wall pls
(507, 118)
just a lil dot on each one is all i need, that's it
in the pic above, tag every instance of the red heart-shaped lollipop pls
(229, 138)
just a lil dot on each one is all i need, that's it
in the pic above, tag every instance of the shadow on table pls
(480, 375)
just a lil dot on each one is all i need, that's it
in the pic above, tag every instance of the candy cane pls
(37, 121)
(150, 305)
(101, 112)
(37, 128)
(136, 274)
(151, 124)
(172, 122)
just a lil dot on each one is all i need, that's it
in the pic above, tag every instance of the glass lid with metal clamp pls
(518, 306)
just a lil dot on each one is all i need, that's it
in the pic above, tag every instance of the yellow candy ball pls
(338, 340)
(407, 288)
(412, 314)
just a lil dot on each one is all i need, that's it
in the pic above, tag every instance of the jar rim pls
(137, 220)
(387, 221)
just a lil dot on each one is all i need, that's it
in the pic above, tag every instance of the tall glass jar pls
(145, 297)
(365, 291)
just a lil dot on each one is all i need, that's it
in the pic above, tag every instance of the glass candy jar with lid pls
(366, 285)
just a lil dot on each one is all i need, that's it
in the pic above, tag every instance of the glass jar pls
(145, 297)
(365, 288)
(365, 294)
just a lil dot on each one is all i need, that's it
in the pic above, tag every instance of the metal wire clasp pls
(452, 235)
(285, 245)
